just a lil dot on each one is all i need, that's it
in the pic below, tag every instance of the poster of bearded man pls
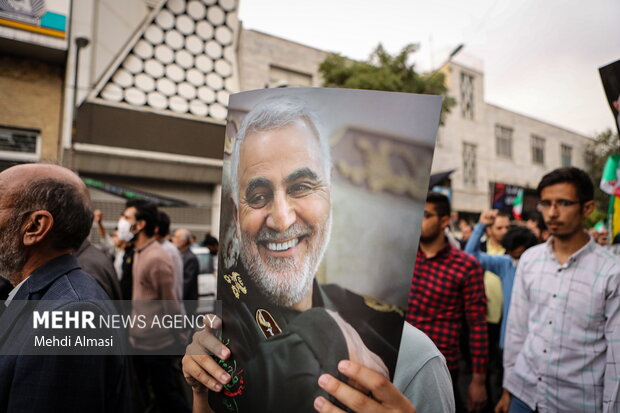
(322, 198)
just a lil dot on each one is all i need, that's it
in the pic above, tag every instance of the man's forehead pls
(258, 150)
(130, 212)
(562, 190)
(430, 207)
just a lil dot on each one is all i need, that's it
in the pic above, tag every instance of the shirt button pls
(550, 322)
(540, 379)
(554, 295)
(545, 350)
(559, 270)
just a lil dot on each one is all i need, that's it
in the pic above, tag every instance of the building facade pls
(152, 79)
(492, 149)
(151, 120)
(33, 50)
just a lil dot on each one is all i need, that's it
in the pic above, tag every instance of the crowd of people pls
(528, 319)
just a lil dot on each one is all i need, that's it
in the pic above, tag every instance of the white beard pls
(284, 281)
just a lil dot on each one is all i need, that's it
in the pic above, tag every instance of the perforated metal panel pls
(182, 62)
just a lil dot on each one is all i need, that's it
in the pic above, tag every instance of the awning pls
(133, 194)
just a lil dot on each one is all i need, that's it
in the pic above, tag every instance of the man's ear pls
(444, 222)
(37, 226)
(587, 208)
(140, 225)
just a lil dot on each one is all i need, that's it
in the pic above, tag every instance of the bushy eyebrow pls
(303, 173)
(259, 182)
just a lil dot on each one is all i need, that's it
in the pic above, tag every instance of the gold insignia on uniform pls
(267, 323)
(382, 306)
(236, 284)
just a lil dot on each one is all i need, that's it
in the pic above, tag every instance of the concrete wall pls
(258, 51)
(31, 98)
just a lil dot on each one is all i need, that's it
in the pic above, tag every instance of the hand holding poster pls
(325, 191)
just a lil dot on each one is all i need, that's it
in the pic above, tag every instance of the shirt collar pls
(583, 250)
(445, 250)
(13, 292)
(145, 246)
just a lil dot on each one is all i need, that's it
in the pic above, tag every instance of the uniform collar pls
(319, 298)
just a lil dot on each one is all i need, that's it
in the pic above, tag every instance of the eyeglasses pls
(560, 204)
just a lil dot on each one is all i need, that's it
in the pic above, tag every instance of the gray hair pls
(185, 234)
(275, 113)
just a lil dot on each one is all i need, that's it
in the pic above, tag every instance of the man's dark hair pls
(466, 222)
(145, 211)
(441, 202)
(518, 236)
(504, 215)
(163, 224)
(72, 212)
(537, 218)
(575, 176)
(210, 240)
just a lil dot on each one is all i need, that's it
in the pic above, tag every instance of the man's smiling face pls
(284, 211)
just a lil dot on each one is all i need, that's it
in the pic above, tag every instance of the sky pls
(540, 58)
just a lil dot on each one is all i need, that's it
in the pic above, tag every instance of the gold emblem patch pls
(236, 284)
(381, 306)
(266, 323)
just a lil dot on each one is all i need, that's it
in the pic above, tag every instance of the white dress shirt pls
(562, 350)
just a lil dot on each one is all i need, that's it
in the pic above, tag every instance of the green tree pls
(384, 71)
(604, 145)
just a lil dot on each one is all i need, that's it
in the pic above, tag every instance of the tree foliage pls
(384, 71)
(602, 147)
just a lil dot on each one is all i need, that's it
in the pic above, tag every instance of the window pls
(503, 141)
(566, 155)
(467, 95)
(281, 77)
(538, 150)
(469, 164)
(19, 144)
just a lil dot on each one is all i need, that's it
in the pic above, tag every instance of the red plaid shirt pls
(443, 288)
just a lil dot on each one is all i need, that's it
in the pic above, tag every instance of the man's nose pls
(282, 214)
(554, 209)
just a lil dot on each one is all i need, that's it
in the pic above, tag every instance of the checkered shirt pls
(445, 288)
(562, 349)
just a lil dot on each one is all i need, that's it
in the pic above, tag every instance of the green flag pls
(517, 206)
(610, 182)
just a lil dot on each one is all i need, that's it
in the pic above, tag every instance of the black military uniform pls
(278, 353)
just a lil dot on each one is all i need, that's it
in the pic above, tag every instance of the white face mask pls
(124, 230)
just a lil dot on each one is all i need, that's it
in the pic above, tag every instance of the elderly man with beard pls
(45, 215)
(296, 345)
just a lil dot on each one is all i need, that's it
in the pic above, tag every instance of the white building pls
(488, 145)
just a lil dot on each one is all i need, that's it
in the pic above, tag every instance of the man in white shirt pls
(562, 351)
